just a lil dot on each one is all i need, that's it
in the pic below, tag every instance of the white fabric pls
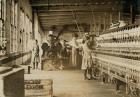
(74, 45)
(87, 58)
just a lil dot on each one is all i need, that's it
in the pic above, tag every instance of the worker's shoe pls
(86, 78)
(92, 78)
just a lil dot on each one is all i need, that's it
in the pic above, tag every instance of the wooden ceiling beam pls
(56, 17)
(64, 13)
(64, 17)
(56, 24)
(37, 3)
(64, 20)
(59, 12)
(55, 14)
(84, 10)
(60, 23)
(72, 1)
(69, 4)
(78, 9)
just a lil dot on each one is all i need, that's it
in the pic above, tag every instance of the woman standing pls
(87, 58)
(75, 48)
(63, 54)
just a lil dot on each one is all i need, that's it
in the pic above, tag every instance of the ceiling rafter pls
(72, 2)
(59, 12)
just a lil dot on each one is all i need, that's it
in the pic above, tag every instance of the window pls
(0, 8)
(21, 46)
(13, 30)
(28, 31)
(2, 27)
(25, 31)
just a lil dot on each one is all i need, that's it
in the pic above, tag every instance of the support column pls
(91, 28)
(111, 18)
(105, 21)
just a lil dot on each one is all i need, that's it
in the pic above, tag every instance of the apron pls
(87, 58)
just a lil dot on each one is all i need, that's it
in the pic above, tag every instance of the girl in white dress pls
(87, 58)
(75, 48)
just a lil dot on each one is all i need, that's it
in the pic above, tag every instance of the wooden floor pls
(70, 83)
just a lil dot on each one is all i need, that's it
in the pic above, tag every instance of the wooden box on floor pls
(38, 88)
(11, 82)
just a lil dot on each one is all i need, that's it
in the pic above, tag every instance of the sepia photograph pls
(69, 48)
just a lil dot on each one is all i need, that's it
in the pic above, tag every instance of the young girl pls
(36, 55)
(87, 58)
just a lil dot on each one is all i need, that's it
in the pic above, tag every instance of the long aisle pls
(70, 83)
